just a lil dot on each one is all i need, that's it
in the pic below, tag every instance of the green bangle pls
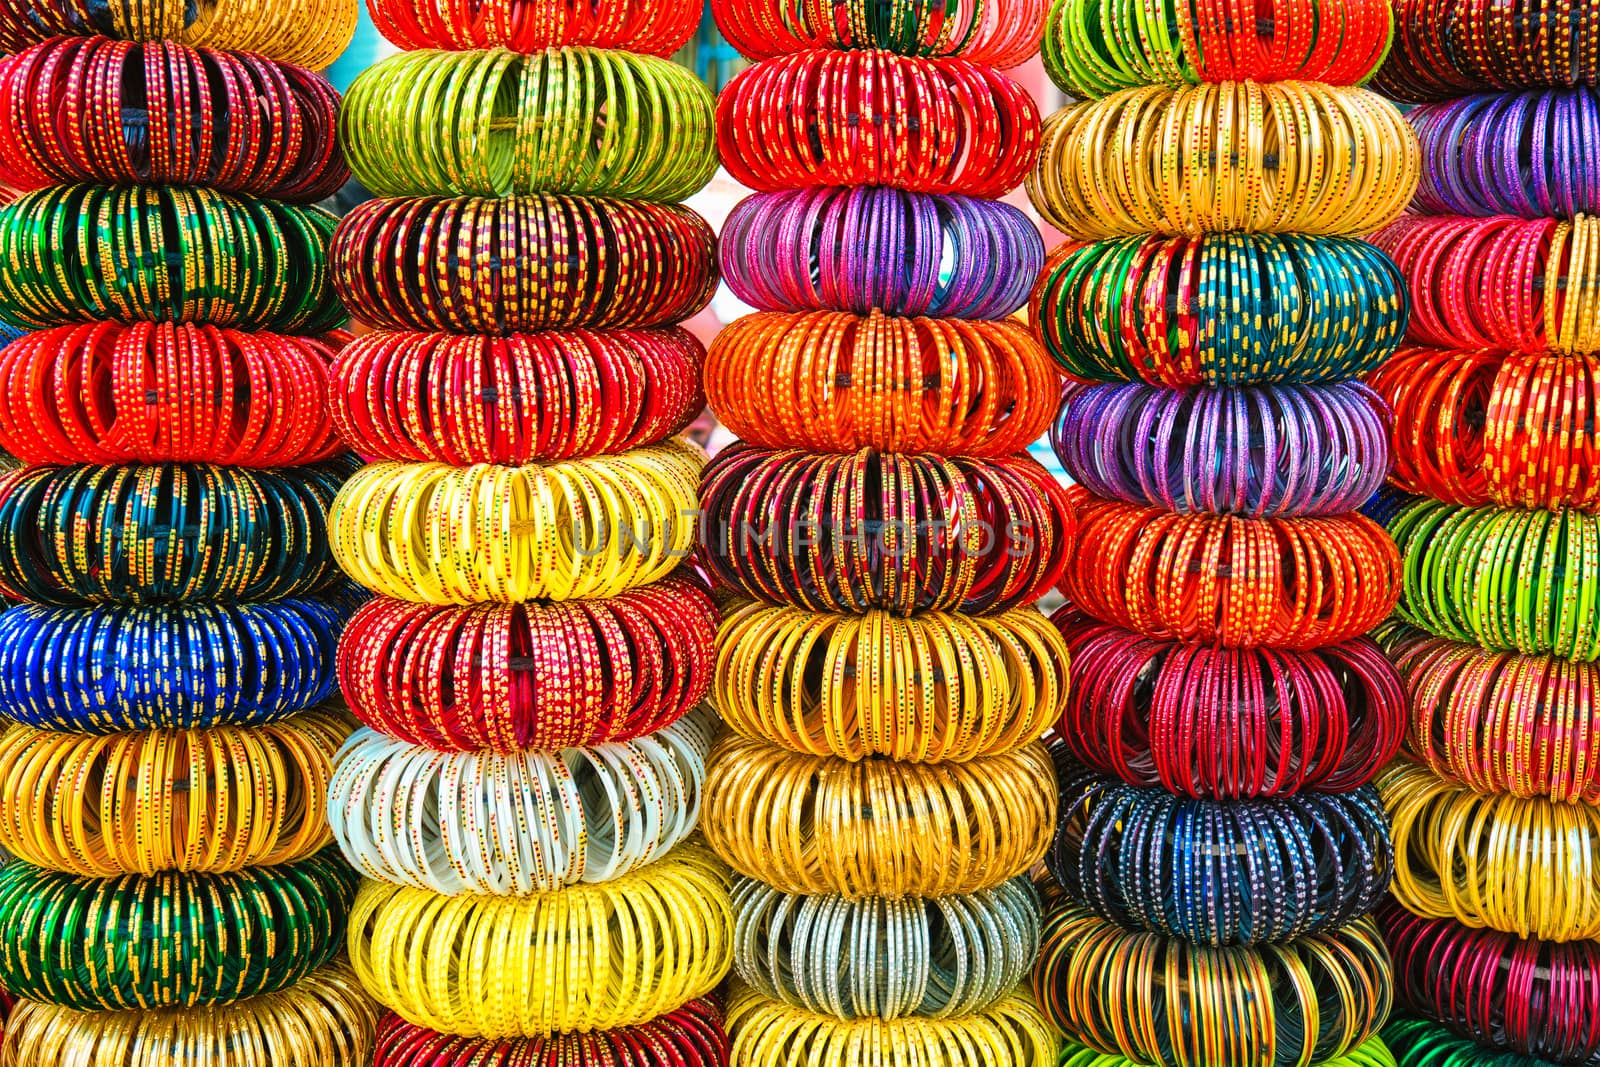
(1423, 1043)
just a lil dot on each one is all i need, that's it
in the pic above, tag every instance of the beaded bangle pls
(326, 1020)
(168, 254)
(838, 383)
(1444, 48)
(1280, 451)
(874, 118)
(658, 28)
(889, 959)
(522, 264)
(904, 533)
(1370, 1053)
(97, 110)
(1142, 161)
(1505, 579)
(1420, 1043)
(569, 120)
(878, 249)
(157, 392)
(1202, 721)
(519, 676)
(814, 824)
(1162, 1000)
(768, 1034)
(931, 688)
(514, 400)
(434, 534)
(1522, 865)
(630, 949)
(172, 940)
(1093, 48)
(997, 33)
(1183, 311)
(527, 822)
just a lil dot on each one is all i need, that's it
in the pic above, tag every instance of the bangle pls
(1421, 1043)
(904, 533)
(480, 966)
(1535, 998)
(89, 109)
(1522, 865)
(211, 801)
(815, 824)
(1093, 48)
(1137, 162)
(658, 28)
(867, 250)
(153, 392)
(510, 677)
(166, 254)
(1444, 48)
(1505, 579)
(1010, 1032)
(325, 1020)
(1162, 1000)
(1221, 579)
(1203, 721)
(931, 688)
(838, 383)
(495, 123)
(517, 823)
(874, 118)
(997, 33)
(1287, 450)
(577, 262)
(934, 958)
(171, 940)
(434, 534)
(1370, 1053)
(1183, 311)
(514, 400)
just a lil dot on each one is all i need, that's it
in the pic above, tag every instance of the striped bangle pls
(658, 28)
(998, 33)
(1444, 48)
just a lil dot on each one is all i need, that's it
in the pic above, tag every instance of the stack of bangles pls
(996, 33)
(1219, 309)
(1525, 866)
(1204, 721)
(1445, 48)
(659, 28)
(510, 824)
(510, 677)
(935, 687)
(1374, 1052)
(1417, 1042)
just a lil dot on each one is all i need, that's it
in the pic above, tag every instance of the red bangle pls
(997, 33)
(659, 27)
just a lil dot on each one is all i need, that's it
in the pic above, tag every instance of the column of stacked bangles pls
(1221, 845)
(883, 536)
(1495, 922)
(523, 799)
(174, 898)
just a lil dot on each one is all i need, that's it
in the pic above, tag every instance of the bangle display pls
(1203, 721)
(153, 392)
(509, 677)
(1280, 451)
(659, 28)
(631, 949)
(837, 383)
(1525, 866)
(211, 801)
(997, 33)
(89, 109)
(514, 400)
(1162, 1000)
(433, 534)
(814, 824)
(935, 958)
(1273, 157)
(1421, 1043)
(1184, 311)
(171, 940)
(522, 264)
(166, 253)
(517, 823)
(931, 688)
(1506, 579)
(1445, 48)
(868, 249)
(495, 123)
(874, 118)
(884, 530)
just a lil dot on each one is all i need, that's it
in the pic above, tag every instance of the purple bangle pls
(866, 249)
(1283, 450)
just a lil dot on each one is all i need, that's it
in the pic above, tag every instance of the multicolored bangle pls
(997, 33)
(658, 28)
(1445, 48)
(1370, 1053)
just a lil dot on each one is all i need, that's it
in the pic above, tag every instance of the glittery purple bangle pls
(1257, 451)
(863, 249)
